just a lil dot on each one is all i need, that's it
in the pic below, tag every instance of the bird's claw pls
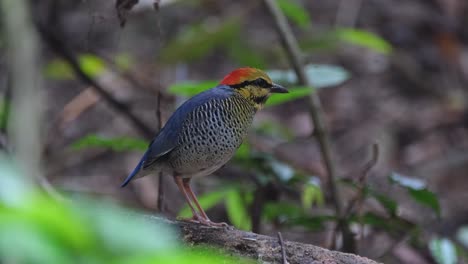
(203, 221)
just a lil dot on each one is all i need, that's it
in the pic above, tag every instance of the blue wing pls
(167, 138)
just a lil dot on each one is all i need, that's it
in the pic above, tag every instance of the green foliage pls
(443, 250)
(237, 209)
(295, 12)
(59, 69)
(207, 201)
(4, 113)
(364, 38)
(294, 93)
(91, 64)
(116, 143)
(35, 228)
(417, 190)
(123, 61)
(311, 194)
(189, 89)
(199, 40)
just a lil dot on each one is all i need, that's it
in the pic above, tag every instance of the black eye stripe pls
(258, 82)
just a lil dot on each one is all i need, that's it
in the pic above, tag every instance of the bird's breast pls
(211, 135)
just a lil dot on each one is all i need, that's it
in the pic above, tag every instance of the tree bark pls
(264, 249)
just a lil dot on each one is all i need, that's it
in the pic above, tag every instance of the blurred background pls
(392, 76)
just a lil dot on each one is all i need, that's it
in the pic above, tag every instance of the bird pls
(204, 133)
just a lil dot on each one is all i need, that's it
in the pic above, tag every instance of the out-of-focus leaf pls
(311, 222)
(443, 250)
(376, 221)
(136, 233)
(241, 53)
(207, 201)
(243, 152)
(199, 40)
(407, 182)
(462, 235)
(320, 75)
(312, 193)
(189, 89)
(426, 198)
(282, 170)
(4, 113)
(417, 190)
(364, 38)
(295, 12)
(237, 210)
(116, 144)
(124, 61)
(274, 129)
(389, 204)
(15, 190)
(58, 69)
(282, 210)
(294, 93)
(91, 64)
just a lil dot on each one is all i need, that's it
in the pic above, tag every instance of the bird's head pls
(253, 84)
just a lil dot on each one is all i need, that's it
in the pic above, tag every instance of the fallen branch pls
(262, 248)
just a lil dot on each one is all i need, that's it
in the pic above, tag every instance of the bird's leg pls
(179, 181)
(206, 221)
(188, 189)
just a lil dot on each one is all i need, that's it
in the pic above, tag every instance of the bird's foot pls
(200, 220)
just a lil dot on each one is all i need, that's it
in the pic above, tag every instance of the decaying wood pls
(262, 248)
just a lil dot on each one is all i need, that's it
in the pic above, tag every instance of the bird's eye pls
(262, 83)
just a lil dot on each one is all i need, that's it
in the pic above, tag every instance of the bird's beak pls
(276, 88)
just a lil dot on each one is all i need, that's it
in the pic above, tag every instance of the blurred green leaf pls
(58, 69)
(91, 64)
(4, 113)
(311, 222)
(207, 201)
(198, 40)
(294, 93)
(189, 89)
(116, 144)
(295, 12)
(417, 190)
(427, 198)
(243, 152)
(237, 210)
(282, 210)
(311, 194)
(364, 38)
(320, 75)
(240, 52)
(389, 204)
(443, 250)
(123, 61)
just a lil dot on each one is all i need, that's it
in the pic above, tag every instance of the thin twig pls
(160, 176)
(362, 180)
(283, 249)
(315, 109)
(59, 46)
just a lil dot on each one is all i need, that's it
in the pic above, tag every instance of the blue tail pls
(135, 171)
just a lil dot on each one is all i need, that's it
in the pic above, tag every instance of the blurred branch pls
(58, 46)
(263, 249)
(315, 108)
(26, 105)
(361, 184)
